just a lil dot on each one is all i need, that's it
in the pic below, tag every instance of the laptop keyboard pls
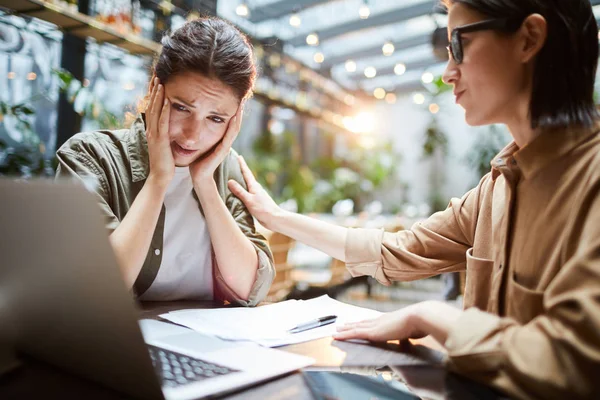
(176, 369)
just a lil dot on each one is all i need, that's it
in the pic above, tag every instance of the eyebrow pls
(190, 105)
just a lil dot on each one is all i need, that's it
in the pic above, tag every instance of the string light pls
(11, 75)
(418, 98)
(364, 11)
(370, 72)
(388, 49)
(427, 77)
(379, 93)
(319, 57)
(242, 10)
(400, 69)
(434, 108)
(295, 20)
(350, 66)
(31, 76)
(312, 39)
(390, 98)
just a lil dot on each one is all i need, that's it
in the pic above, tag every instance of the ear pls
(534, 32)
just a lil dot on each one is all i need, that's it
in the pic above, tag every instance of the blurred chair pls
(283, 283)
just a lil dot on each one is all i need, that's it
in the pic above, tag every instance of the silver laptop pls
(63, 297)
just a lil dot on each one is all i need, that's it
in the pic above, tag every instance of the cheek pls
(212, 133)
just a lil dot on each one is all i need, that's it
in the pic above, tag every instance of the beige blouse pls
(529, 238)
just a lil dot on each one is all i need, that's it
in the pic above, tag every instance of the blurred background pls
(350, 121)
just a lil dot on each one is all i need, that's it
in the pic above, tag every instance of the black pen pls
(315, 323)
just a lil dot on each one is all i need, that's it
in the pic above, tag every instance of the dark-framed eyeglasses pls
(455, 49)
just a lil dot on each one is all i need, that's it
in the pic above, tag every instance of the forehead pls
(199, 90)
(460, 14)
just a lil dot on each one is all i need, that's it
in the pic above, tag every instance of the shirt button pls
(157, 252)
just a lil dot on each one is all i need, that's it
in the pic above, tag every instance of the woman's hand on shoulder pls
(256, 199)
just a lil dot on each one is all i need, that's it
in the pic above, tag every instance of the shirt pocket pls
(479, 281)
(523, 304)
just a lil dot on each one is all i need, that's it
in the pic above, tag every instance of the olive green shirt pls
(529, 238)
(115, 165)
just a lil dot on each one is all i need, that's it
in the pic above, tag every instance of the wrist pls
(205, 188)
(275, 219)
(159, 184)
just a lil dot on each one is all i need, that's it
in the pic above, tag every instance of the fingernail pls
(166, 101)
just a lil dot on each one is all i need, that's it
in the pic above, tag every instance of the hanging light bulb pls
(388, 48)
(390, 98)
(427, 77)
(319, 57)
(242, 10)
(295, 20)
(312, 39)
(370, 72)
(400, 69)
(418, 98)
(379, 93)
(350, 66)
(364, 11)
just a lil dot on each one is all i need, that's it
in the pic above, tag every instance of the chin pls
(475, 120)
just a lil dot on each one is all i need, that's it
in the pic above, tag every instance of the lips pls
(458, 95)
(182, 151)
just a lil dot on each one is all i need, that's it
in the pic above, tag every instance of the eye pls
(179, 107)
(217, 120)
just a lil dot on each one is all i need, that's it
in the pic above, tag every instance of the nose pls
(191, 134)
(451, 73)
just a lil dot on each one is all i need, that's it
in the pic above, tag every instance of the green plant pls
(317, 187)
(488, 143)
(26, 157)
(85, 103)
(435, 147)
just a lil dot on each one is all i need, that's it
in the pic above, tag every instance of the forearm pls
(235, 255)
(132, 238)
(328, 238)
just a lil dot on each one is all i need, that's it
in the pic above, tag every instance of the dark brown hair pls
(565, 68)
(212, 47)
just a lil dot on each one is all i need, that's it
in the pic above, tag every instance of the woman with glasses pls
(528, 235)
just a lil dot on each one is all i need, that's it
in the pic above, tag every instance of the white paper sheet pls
(268, 325)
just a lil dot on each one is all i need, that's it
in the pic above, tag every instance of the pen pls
(315, 323)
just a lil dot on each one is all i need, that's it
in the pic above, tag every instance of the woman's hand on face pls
(416, 321)
(162, 164)
(203, 169)
(258, 201)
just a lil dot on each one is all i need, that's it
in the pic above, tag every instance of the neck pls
(519, 122)
(522, 132)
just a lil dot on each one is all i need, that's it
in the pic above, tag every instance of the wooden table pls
(418, 363)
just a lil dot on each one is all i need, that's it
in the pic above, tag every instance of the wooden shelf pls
(81, 25)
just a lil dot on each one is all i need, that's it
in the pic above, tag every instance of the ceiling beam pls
(384, 18)
(280, 8)
(374, 51)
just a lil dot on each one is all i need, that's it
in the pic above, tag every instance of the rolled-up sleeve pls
(431, 247)
(557, 354)
(265, 272)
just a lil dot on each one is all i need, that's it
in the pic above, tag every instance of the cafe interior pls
(349, 122)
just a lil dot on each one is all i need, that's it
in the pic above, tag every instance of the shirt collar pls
(137, 147)
(547, 147)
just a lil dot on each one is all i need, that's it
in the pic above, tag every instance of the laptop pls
(64, 300)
